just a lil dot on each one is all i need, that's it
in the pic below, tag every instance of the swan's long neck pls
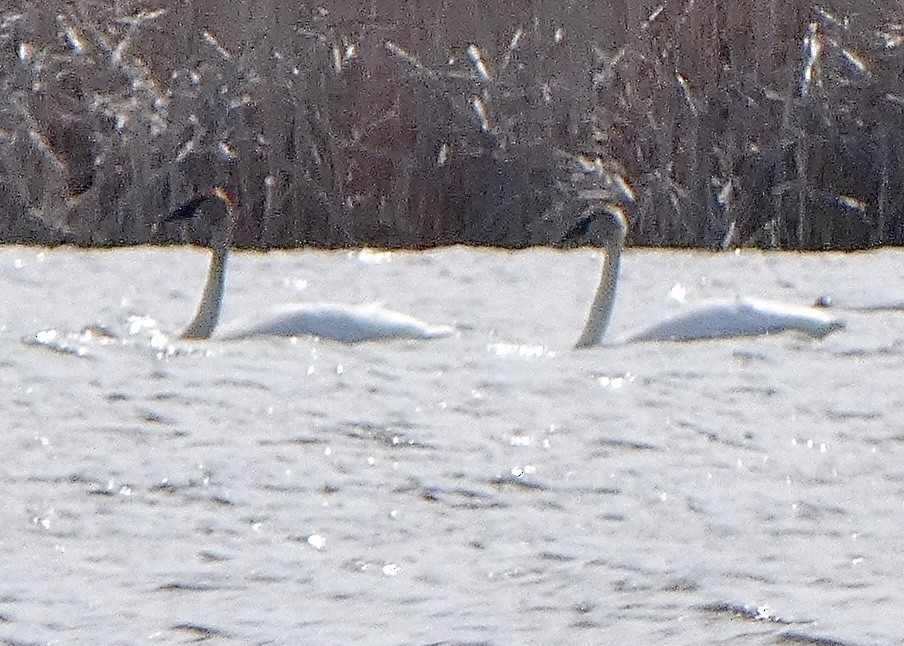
(202, 326)
(601, 309)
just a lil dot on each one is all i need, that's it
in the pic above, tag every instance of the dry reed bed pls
(772, 124)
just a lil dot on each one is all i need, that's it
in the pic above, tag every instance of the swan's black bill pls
(189, 209)
(579, 231)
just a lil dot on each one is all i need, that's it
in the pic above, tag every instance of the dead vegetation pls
(768, 124)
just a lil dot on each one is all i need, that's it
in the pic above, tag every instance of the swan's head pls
(211, 216)
(606, 225)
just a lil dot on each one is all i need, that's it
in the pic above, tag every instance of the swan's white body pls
(345, 323)
(735, 317)
(742, 316)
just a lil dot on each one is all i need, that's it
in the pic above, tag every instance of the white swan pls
(338, 322)
(735, 317)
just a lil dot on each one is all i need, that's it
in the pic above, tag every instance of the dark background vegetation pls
(752, 122)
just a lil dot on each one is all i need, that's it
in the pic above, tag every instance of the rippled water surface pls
(494, 487)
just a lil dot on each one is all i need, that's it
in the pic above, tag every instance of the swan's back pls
(344, 323)
(741, 317)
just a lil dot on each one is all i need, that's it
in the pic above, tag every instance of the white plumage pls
(736, 317)
(345, 323)
(741, 316)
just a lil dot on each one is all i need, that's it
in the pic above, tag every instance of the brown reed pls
(715, 125)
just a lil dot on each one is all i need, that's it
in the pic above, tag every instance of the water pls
(494, 487)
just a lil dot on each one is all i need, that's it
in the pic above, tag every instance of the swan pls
(334, 321)
(734, 317)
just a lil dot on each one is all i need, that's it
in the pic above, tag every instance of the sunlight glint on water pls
(490, 487)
